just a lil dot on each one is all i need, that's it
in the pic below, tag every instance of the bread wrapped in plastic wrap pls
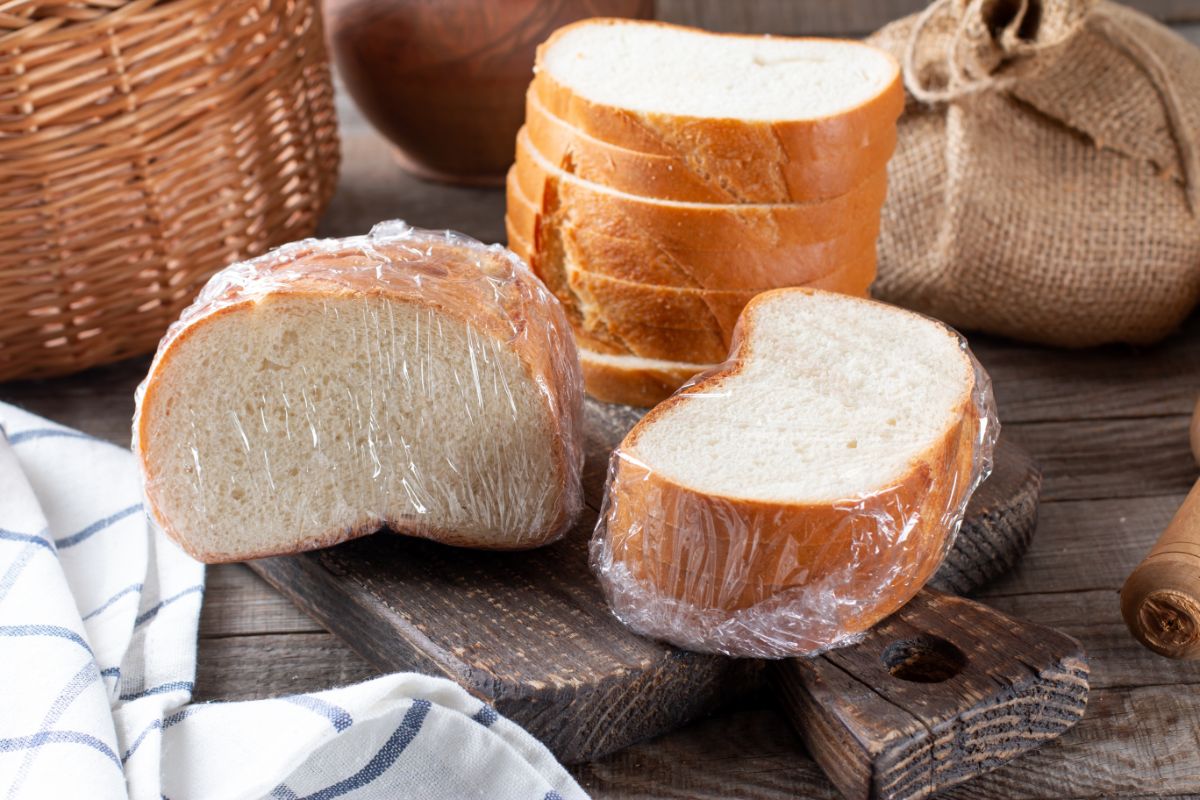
(412, 379)
(785, 501)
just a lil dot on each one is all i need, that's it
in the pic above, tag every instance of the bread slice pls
(697, 226)
(667, 90)
(688, 325)
(410, 379)
(698, 176)
(805, 489)
(616, 317)
(632, 380)
(640, 255)
(620, 316)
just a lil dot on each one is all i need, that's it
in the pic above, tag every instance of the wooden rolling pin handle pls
(1161, 597)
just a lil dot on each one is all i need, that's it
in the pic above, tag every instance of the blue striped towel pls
(98, 622)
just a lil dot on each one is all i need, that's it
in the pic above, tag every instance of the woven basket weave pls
(143, 146)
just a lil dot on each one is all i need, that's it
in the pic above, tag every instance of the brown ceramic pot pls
(445, 80)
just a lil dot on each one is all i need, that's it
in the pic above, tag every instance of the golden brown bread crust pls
(615, 316)
(798, 142)
(710, 557)
(633, 384)
(792, 548)
(698, 226)
(511, 306)
(643, 258)
(700, 177)
(672, 322)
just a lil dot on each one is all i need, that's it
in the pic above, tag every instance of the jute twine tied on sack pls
(1046, 185)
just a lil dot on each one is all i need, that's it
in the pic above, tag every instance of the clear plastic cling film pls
(412, 379)
(748, 579)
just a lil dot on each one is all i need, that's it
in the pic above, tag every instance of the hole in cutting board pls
(923, 659)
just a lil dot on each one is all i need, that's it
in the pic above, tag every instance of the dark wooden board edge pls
(943, 691)
(998, 526)
(666, 689)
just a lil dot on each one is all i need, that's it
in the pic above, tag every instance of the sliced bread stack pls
(665, 176)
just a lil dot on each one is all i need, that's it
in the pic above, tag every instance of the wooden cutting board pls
(530, 632)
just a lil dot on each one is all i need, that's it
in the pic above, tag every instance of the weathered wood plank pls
(259, 666)
(237, 602)
(998, 524)
(944, 690)
(1038, 384)
(1100, 459)
(839, 18)
(1079, 546)
(1087, 544)
(750, 755)
(529, 633)
(98, 401)
(1094, 618)
(1133, 743)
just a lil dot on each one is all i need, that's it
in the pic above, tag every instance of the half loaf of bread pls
(410, 379)
(802, 491)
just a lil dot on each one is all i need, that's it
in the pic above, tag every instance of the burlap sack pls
(1045, 183)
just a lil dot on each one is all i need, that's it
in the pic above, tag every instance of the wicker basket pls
(143, 146)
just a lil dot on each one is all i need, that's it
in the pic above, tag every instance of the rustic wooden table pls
(1109, 427)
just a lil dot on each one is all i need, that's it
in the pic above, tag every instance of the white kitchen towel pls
(98, 619)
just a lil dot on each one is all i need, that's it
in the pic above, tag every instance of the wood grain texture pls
(944, 690)
(1132, 743)
(529, 633)
(1086, 545)
(1045, 384)
(746, 754)
(999, 523)
(272, 664)
(238, 602)
(1104, 459)
(1094, 618)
